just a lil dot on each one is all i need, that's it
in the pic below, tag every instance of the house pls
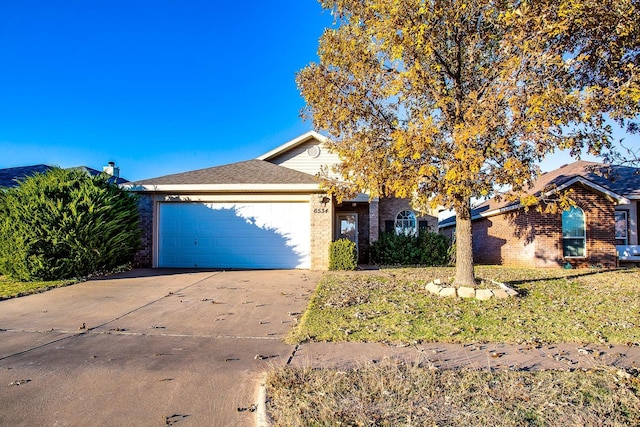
(601, 230)
(9, 177)
(262, 213)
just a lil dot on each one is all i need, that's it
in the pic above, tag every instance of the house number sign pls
(321, 210)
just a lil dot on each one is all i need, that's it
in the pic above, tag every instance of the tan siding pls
(298, 159)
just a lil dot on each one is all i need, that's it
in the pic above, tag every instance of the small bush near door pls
(343, 255)
(427, 248)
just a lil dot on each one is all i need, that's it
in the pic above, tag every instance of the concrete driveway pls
(147, 348)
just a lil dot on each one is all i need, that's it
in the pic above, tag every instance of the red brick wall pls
(390, 207)
(321, 230)
(532, 238)
(144, 256)
(504, 239)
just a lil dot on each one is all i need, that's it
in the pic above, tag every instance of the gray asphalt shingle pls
(247, 172)
(621, 180)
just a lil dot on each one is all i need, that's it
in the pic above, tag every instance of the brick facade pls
(520, 238)
(144, 256)
(390, 207)
(321, 230)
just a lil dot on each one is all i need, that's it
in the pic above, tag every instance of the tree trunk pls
(464, 247)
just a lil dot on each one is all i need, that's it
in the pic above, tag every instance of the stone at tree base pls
(465, 292)
(448, 292)
(500, 293)
(484, 294)
(511, 292)
(433, 288)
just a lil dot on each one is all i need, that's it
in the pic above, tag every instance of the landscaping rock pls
(511, 292)
(500, 293)
(465, 292)
(433, 288)
(484, 294)
(448, 292)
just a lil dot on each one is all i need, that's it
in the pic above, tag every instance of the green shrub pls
(66, 223)
(343, 255)
(427, 248)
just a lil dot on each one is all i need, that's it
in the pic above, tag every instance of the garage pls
(242, 235)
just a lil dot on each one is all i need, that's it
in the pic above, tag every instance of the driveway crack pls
(293, 354)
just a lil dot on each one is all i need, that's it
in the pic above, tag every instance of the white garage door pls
(234, 235)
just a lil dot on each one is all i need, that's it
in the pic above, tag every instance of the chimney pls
(111, 169)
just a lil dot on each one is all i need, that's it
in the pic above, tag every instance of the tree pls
(447, 101)
(66, 223)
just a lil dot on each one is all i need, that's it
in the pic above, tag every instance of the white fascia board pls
(497, 211)
(291, 144)
(230, 197)
(225, 188)
(360, 198)
(620, 199)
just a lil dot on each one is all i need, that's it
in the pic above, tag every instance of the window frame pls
(566, 234)
(408, 216)
(625, 213)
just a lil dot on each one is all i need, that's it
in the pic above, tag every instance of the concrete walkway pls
(471, 356)
(153, 347)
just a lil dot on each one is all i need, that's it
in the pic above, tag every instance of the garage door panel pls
(234, 235)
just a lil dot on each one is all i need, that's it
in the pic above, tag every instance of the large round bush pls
(65, 223)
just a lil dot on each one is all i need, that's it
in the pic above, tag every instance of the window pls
(406, 223)
(621, 228)
(573, 233)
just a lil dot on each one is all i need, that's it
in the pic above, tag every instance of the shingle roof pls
(621, 180)
(9, 177)
(247, 172)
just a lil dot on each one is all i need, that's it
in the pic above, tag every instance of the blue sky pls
(158, 87)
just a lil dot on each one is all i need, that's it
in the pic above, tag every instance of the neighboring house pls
(600, 230)
(10, 177)
(265, 213)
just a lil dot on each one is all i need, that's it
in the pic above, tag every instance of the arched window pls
(406, 223)
(574, 241)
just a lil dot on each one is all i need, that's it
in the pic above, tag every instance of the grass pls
(585, 306)
(398, 395)
(553, 306)
(12, 288)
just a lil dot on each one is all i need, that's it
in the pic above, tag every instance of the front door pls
(347, 227)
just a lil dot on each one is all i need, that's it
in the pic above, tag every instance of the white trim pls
(293, 143)
(621, 199)
(413, 230)
(200, 188)
(583, 237)
(266, 198)
(361, 198)
(626, 225)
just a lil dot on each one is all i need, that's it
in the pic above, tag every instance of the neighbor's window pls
(406, 223)
(621, 228)
(574, 242)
